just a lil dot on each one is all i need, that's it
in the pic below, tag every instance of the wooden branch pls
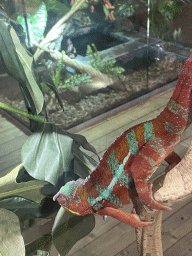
(177, 183)
(58, 28)
(99, 80)
(148, 239)
(170, 188)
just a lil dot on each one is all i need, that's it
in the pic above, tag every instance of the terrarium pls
(66, 65)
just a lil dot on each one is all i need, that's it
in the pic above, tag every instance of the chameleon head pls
(65, 196)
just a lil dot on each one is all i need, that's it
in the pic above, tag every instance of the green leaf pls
(104, 65)
(70, 228)
(57, 6)
(81, 141)
(26, 61)
(23, 208)
(46, 155)
(53, 88)
(32, 190)
(19, 63)
(67, 230)
(42, 243)
(49, 154)
(36, 23)
(171, 9)
(12, 242)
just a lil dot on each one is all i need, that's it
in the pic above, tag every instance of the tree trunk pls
(149, 242)
(170, 188)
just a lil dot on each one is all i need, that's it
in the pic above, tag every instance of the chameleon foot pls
(147, 198)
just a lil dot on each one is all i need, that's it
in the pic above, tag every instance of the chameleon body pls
(131, 159)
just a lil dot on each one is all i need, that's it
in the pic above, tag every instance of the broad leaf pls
(36, 23)
(26, 63)
(47, 155)
(53, 154)
(70, 228)
(67, 230)
(33, 190)
(12, 242)
(42, 243)
(21, 206)
(19, 63)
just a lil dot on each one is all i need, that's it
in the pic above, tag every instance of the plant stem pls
(37, 118)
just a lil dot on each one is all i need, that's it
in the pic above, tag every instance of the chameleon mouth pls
(55, 196)
(71, 211)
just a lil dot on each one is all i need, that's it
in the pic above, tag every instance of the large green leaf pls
(34, 190)
(36, 24)
(21, 207)
(11, 242)
(47, 155)
(19, 63)
(67, 230)
(70, 228)
(53, 154)
(42, 243)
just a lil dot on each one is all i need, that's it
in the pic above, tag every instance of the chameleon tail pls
(128, 218)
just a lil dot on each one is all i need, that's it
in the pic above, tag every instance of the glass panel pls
(148, 39)
(169, 23)
(106, 54)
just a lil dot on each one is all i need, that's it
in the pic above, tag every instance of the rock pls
(118, 86)
(70, 96)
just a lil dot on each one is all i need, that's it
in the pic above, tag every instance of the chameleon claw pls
(147, 198)
(133, 210)
(128, 218)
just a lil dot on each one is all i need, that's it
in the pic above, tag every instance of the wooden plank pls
(12, 145)
(170, 238)
(106, 235)
(182, 248)
(9, 168)
(4, 124)
(11, 141)
(10, 134)
(102, 143)
(177, 226)
(8, 161)
(126, 116)
(110, 242)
